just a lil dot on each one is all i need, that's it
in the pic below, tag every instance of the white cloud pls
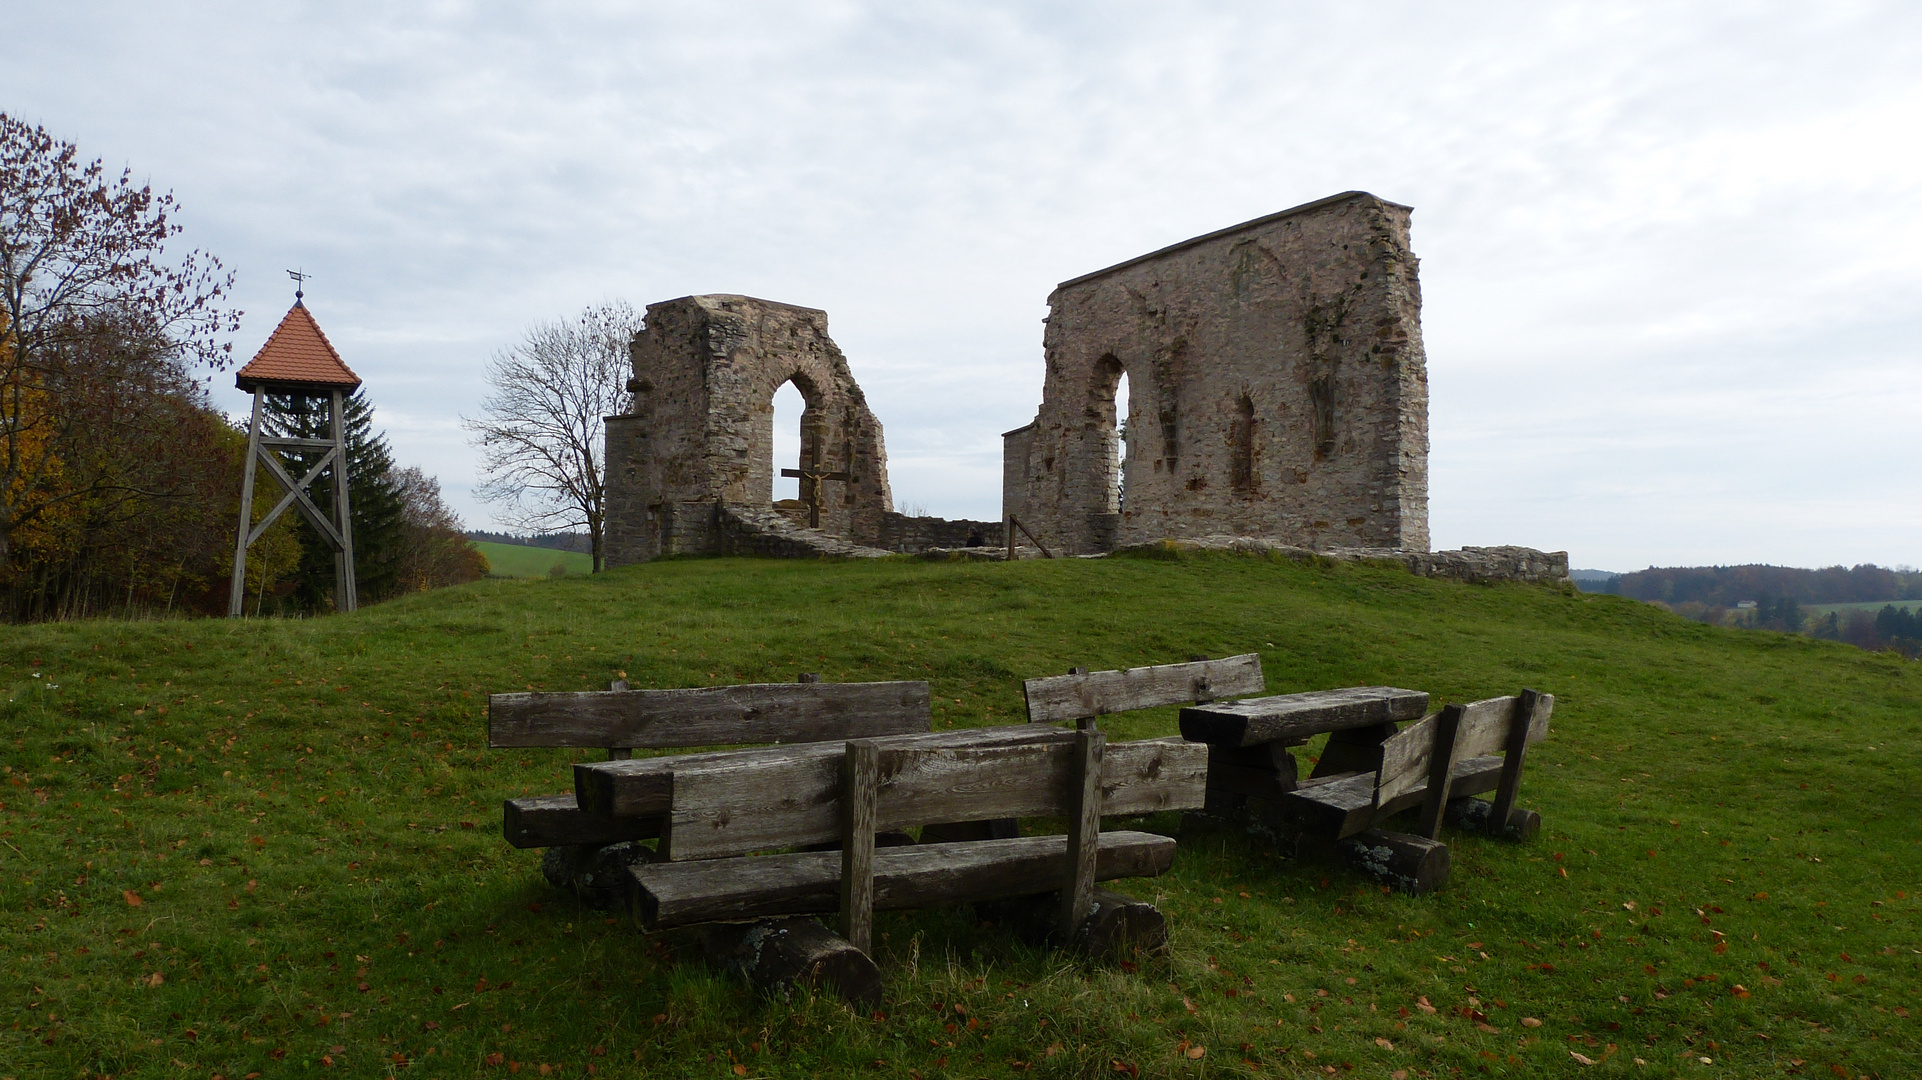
(1669, 250)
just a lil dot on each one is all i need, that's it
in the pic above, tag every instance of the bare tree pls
(84, 275)
(540, 426)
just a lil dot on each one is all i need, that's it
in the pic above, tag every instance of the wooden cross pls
(811, 476)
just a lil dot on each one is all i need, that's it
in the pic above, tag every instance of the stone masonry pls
(702, 431)
(1277, 388)
(691, 469)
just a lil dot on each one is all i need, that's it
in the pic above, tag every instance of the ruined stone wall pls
(1277, 388)
(900, 532)
(706, 369)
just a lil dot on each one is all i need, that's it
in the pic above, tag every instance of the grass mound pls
(240, 847)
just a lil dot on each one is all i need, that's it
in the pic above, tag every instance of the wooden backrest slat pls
(1482, 731)
(1099, 693)
(708, 716)
(645, 786)
(722, 808)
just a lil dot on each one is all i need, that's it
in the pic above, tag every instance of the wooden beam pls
(1514, 751)
(1298, 716)
(644, 787)
(1099, 693)
(1084, 831)
(1440, 758)
(923, 875)
(860, 766)
(237, 590)
(737, 807)
(541, 821)
(708, 716)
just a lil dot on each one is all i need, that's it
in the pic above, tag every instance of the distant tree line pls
(1726, 586)
(119, 480)
(555, 541)
(1898, 629)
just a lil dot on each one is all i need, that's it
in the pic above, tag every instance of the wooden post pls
(1440, 759)
(860, 777)
(237, 595)
(346, 597)
(619, 753)
(1084, 831)
(1514, 749)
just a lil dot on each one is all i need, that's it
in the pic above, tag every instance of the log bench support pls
(725, 809)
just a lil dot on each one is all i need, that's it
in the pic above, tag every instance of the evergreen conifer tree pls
(373, 497)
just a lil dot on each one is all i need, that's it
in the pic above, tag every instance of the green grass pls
(308, 819)
(521, 561)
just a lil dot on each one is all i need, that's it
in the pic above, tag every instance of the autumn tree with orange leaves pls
(103, 424)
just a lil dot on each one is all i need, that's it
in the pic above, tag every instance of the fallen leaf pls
(1384, 1043)
(132, 898)
(1531, 1022)
(156, 979)
(739, 1069)
(1195, 1052)
(1583, 1059)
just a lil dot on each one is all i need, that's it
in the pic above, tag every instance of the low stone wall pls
(755, 530)
(1475, 564)
(902, 533)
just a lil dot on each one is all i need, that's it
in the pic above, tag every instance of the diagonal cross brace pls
(297, 496)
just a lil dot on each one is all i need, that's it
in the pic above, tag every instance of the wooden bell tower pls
(298, 359)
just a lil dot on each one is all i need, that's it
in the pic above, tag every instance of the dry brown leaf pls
(132, 898)
(1531, 1022)
(1581, 1058)
(1196, 1052)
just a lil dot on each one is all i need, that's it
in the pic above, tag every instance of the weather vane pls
(300, 278)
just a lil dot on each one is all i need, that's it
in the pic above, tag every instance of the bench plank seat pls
(1295, 717)
(924, 875)
(1345, 805)
(1100, 693)
(708, 716)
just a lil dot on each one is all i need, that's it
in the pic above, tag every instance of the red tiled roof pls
(299, 354)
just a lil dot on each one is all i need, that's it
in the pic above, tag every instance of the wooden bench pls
(621, 721)
(1460, 752)
(731, 820)
(1250, 768)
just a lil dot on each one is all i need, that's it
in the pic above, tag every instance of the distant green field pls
(519, 561)
(1860, 605)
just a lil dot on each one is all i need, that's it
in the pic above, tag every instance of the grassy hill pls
(523, 561)
(273, 847)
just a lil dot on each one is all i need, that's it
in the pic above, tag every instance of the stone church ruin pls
(1277, 388)
(691, 470)
(1278, 400)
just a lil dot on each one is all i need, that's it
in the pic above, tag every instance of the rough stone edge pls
(1480, 565)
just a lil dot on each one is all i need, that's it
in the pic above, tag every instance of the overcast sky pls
(1671, 252)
